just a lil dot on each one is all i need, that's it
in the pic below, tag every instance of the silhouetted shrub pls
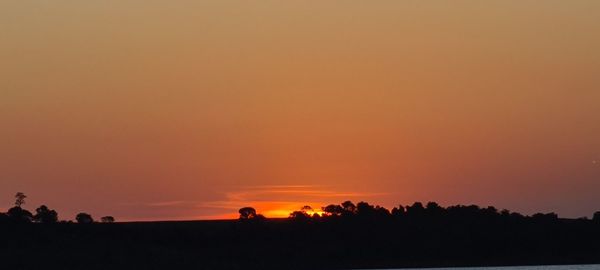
(107, 219)
(84, 218)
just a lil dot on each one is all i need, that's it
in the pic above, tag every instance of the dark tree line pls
(43, 214)
(363, 235)
(417, 213)
(338, 236)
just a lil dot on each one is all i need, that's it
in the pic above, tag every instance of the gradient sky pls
(149, 110)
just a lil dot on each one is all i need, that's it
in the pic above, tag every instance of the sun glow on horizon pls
(285, 212)
(279, 201)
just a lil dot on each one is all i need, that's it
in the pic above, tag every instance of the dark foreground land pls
(461, 237)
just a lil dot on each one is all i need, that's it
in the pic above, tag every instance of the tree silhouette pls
(366, 211)
(306, 209)
(84, 218)
(20, 199)
(247, 213)
(361, 235)
(416, 210)
(299, 215)
(333, 210)
(364, 208)
(398, 211)
(45, 215)
(19, 214)
(107, 219)
(348, 208)
(303, 214)
(433, 207)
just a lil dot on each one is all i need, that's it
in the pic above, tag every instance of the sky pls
(172, 110)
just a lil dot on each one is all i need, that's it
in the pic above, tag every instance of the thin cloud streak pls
(279, 201)
(159, 203)
(269, 200)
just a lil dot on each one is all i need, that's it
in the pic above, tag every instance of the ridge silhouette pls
(345, 236)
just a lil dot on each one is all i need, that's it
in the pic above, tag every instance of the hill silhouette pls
(346, 236)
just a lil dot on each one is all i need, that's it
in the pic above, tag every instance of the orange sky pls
(151, 110)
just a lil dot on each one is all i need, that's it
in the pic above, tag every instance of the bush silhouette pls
(107, 219)
(84, 218)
